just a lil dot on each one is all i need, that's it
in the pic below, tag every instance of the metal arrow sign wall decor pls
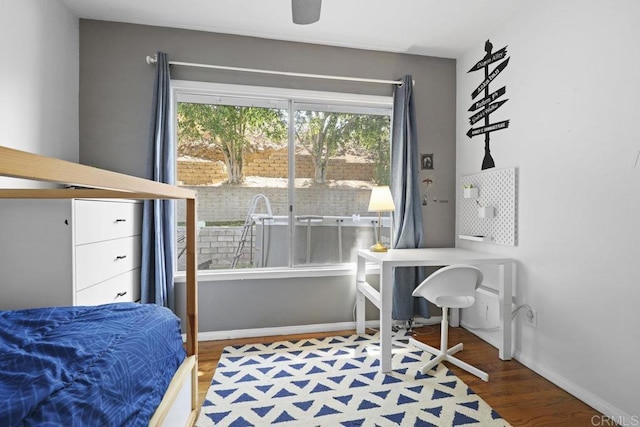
(486, 105)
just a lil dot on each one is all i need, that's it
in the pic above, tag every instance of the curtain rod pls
(153, 59)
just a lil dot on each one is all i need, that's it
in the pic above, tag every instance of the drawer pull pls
(121, 294)
(121, 220)
(121, 257)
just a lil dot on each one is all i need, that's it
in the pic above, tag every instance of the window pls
(283, 176)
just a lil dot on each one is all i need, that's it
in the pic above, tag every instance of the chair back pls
(452, 286)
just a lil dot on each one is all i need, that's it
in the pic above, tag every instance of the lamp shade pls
(381, 200)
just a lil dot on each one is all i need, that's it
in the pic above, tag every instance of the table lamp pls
(380, 201)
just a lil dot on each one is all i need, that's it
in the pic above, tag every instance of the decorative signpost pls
(486, 105)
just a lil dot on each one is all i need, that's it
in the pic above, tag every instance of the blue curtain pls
(158, 215)
(407, 218)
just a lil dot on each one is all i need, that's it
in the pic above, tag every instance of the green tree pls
(373, 133)
(228, 128)
(321, 134)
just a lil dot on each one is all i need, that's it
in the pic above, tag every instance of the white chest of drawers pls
(69, 252)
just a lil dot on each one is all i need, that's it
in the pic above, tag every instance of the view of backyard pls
(237, 159)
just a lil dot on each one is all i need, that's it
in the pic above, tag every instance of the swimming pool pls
(318, 240)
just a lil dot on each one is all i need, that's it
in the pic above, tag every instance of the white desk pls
(425, 257)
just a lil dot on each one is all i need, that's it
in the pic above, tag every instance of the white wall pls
(573, 85)
(39, 78)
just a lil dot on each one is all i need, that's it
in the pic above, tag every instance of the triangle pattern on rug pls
(335, 381)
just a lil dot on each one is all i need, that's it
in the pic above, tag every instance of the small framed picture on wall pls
(426, 161)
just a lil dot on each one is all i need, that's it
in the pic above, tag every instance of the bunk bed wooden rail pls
(100, 183)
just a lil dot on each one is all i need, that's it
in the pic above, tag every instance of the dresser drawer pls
(97, 262)
(98, 220)
(122, 288)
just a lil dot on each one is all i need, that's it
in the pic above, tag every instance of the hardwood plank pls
(518, 394)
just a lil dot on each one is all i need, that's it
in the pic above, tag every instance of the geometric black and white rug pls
(336, 381)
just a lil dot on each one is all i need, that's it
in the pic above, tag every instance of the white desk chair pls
(450, 287)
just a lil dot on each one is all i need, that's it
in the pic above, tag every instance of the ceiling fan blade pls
(305, 11)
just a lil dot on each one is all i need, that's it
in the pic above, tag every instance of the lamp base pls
(379, 247)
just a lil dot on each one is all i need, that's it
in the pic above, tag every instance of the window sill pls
(273, 273)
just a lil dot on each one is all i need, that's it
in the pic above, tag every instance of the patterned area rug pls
(336, 381)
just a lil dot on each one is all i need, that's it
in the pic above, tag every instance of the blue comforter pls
(86, 366)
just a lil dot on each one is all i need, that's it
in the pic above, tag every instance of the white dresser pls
(69, 252)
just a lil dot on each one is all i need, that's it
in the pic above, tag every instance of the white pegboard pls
(497, 188)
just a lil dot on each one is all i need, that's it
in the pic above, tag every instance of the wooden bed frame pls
(99, 183)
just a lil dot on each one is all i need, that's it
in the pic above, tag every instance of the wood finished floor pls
(521, 396)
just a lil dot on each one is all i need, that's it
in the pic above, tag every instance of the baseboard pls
(281, 330)
(587, 397)
(298, 329)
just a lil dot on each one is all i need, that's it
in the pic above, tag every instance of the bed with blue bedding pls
(107, 365)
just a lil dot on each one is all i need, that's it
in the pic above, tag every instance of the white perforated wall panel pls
(496, 188)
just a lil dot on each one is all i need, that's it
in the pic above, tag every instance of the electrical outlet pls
(532, 317)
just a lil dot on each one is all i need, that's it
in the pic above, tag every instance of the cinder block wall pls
(217, 247)
(199, 172)
(270, 164)
(225, 203)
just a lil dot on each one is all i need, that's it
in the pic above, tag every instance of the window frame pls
(274, 97)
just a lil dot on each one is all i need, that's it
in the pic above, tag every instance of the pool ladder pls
(248, 225)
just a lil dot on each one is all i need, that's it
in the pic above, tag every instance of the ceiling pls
(444, 28)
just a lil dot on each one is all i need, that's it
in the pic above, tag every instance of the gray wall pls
(115, 102)
(272, 303)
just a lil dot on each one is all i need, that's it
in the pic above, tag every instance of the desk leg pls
(454, 317)
(505, 295)
(360, 298)
(386, 293)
